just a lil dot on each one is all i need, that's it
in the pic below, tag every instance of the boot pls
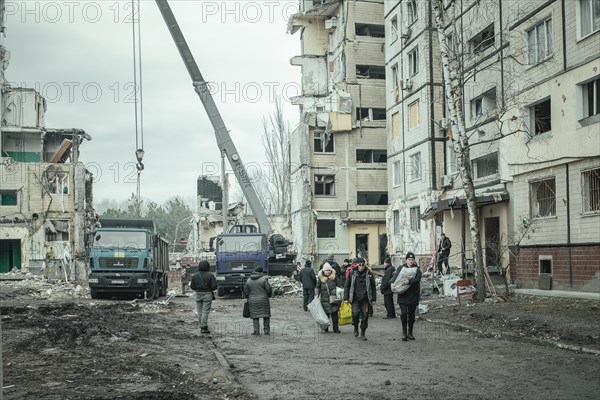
(204, 329)
(404, 335)
(355, 330)
(362, 334)
(411, 322)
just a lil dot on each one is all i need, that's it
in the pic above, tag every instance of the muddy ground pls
(122, 349)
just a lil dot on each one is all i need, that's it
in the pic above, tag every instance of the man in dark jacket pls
(409, 299)
(309, 282)
(443, 254)
(342, 275)
(386, 289)
(361, 293)
(204, 283)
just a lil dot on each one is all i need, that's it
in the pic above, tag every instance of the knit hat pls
(308, 264)
(203, 265)
(258, 269)
(410, 254)
(327, 267)
(358, 260)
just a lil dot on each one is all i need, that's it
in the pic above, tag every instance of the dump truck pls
(128, 256)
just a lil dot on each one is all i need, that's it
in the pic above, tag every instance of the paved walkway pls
(559, 293)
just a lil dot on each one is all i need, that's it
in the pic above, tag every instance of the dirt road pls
(101, 350)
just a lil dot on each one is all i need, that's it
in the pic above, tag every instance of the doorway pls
(362, 245)
(10, 255)
(492, 243)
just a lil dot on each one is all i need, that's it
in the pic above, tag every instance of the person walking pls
(203, 283)
(386, 289)
(360, 292)
(342, 275)
(326, 286)
(309, 282)
(443, 254)
(258, 290)
(409, 299)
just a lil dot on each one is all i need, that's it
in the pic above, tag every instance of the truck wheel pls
(161, 287)
(156, 289)
(151, 292)
(94, 294)
(166, 285)
(220, 291)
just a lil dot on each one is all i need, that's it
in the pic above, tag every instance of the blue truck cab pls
(127, 256)
(238, 254)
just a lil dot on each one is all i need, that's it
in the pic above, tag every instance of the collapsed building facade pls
(46, 212)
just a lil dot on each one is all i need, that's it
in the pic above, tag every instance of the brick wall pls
(586, 264)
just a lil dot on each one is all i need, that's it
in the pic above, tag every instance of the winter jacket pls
(326, 285)
(351, 286)
(258, 290)
(203, 281)
(386, 281)
(413, 294)
(308, 278)
(445, 246)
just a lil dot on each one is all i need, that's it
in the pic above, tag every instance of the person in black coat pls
(309, 282)
(443, 254)
(386, 289)
(361, 293)
(409, 299)
(204, 283)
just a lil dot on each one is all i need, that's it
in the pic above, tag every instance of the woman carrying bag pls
(409, 293)
(258, 290)
(326, 290)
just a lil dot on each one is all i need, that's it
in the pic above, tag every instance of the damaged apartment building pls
(531, 109)
(338, 151)
(46, 211)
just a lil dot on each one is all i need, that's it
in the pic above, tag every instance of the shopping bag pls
(345, 314)
(316, 310)
(339, 293)
(246, 312)
(405, 273)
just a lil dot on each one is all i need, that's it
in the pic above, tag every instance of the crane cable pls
(139, 119)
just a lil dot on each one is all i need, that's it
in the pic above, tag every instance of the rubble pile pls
(18, 285)
(283, 285)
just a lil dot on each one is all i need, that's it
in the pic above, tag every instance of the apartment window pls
(370, 114)
(323, 142)
(413, 62)
(482, 104)
(591, 98)
(539, 41)
(542, 197)
(371, 198)
(483, 39)
(396, 221)
(411, 11)
(589, 16)
(413, 114)
(451, 43)
(371, 156)
(370, 71)
(57, 182)
(415, 166)
(8, 197)
(486, 166)
(393, 29)
(541, 117)
(590, 188)
(324, 185)
(415, 219)
(397, 173)
(325, 228)
(370, 30)
(545, 263)
(395, 76)
(395, 125)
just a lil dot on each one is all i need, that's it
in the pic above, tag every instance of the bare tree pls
(274, 185)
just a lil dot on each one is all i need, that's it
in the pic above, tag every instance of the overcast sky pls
(78, 55)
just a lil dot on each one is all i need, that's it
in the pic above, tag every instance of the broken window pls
(370, 114)
(483, 39)
(415, 166)
(372, 198)
(413, 62)
(371, 30)
(415, 219)
(541, 117)
(591, 98)
(486, 166)
(324, 185)
(411, 11)
(397, 173)
(370, 71)
(393, 29)
(545, 264)
(413, 114)
(590, 188)
(325, 228)
(57, 182)
(371, 156)
(539, 42)
(8, 197)
(396, 221)
(56, 230)
(542, 198)
(323, 142)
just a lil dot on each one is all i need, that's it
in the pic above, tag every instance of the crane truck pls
(245, 247)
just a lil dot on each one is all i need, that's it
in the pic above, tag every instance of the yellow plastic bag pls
(345, 314)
